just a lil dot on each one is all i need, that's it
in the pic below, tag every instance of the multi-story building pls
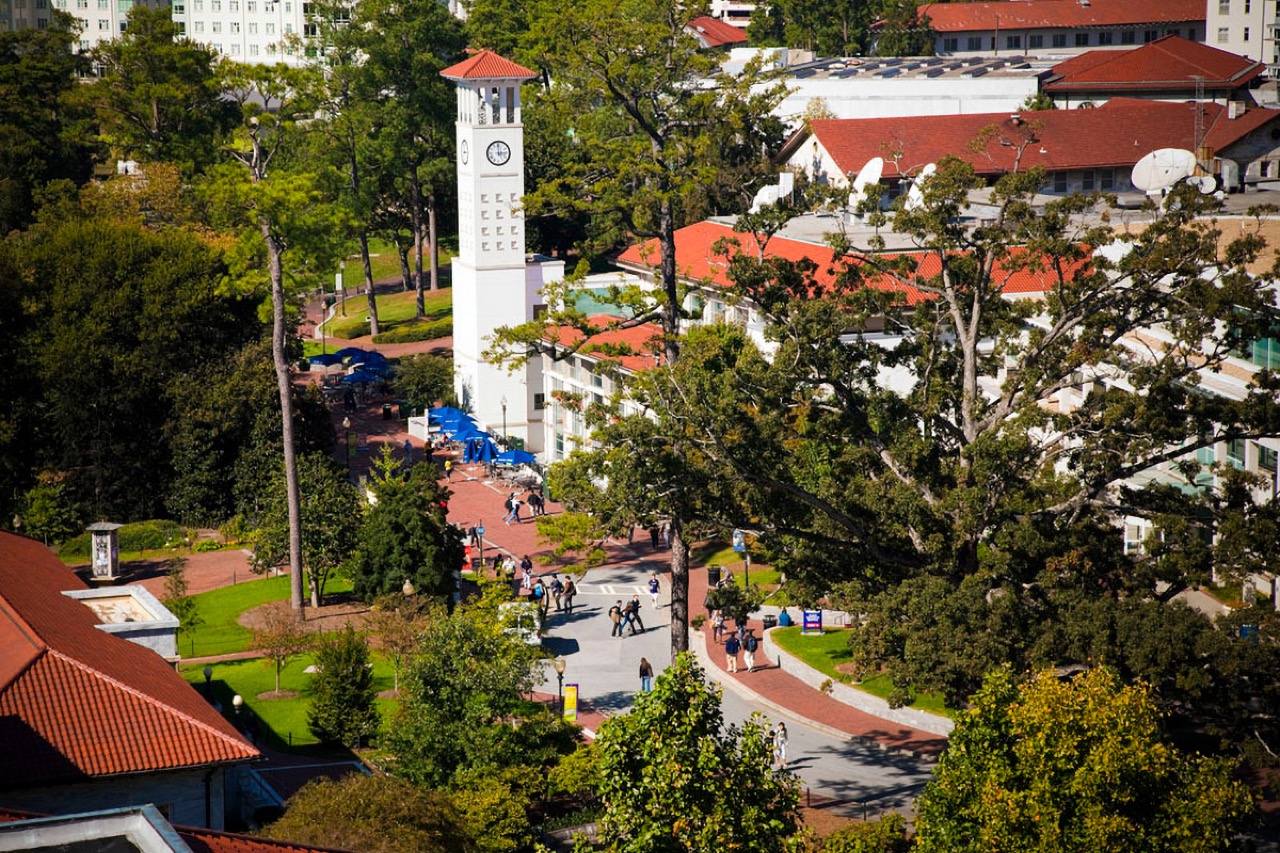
(1246, 27)
(100, 20)
(1059, 27)
(253, 31)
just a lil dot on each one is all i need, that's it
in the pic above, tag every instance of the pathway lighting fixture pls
(504, 420)
(559, 664)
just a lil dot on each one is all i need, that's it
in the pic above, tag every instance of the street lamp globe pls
(408, 589)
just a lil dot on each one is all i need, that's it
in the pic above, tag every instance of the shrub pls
(139, 536)
(342, 695)
(205, 545)
(414, 331)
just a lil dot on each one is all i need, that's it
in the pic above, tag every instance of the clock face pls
(466, 151)
(498, 153)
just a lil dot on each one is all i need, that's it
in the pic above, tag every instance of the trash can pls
(769, 621)
(713, 575)
(784, 619)
(386, 411)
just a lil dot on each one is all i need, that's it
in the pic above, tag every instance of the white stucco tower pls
(493, 283)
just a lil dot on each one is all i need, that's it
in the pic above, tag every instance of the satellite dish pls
(1162, 168)
(1206, 184)
(868, 175)
(915, 198)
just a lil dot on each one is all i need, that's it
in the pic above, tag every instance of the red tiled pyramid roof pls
(1114, 135)
(697, 260)
(77, 702)
(1037, 14)
(487, 65)
(1168, 63)
(714, 32)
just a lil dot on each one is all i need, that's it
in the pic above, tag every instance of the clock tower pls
(493, 284)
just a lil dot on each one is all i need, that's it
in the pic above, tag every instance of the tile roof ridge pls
(156, 702)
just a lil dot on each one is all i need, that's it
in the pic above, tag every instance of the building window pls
(1107, 180)
(1128, 37)
(271, 30)
(950, 45)
(1248, 6)
(215, 5)
(539, 402)
(235, 49)
(1235, 453)
(1149, 36)
(1013, 42)
(217, 26)
(1035, 42)
(1087, 180)
(104, 24)
(1246, 33)
(1177, 32)
(1224, 34)
(1106, 37)
(975, 42)
(1060, 39)
(199, 26)
(1082, 39)
(1060, 182)
(233, 6)
(1224, 7)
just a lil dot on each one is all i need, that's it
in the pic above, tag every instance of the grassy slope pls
(831, 649)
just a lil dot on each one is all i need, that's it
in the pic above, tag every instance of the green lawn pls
(284, 721)
(393, 309)
(220, 609)
(716, 553)
(825, 652)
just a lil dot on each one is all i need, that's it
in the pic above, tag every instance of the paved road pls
(606, 669)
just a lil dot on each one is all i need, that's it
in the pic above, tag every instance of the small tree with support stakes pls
(280, 637)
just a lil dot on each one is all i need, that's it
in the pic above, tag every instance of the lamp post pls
(342, 274)
(504, 420)
(237, 705)
(559, 665)
(346, 438)
(208, 676)
(408, 589)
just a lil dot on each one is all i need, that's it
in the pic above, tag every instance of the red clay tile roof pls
(76, 702)
(644, 340)
(1115, 135)
(697, 261)
(1168, 63)
(1040, 14)
(713, 32)
(487, 65)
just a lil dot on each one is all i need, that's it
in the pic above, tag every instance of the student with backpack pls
(615, 616)
(731, 647)
(749, 646)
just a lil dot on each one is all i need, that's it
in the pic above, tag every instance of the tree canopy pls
(675, 777)
(1074, 764)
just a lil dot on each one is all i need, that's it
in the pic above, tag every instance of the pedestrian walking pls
(655, 589)
(633, 607)
(408, 452)
(508, 568)
(780, 745)
(717, 626)
(448, 470)
(646, 676)
(615, 616)
(749, 646)
(526, 574)
(570, 590)
(653, 536)
(731, 647)
(557, 591)
(512, 506)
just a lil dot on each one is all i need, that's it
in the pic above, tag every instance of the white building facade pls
(1246, 27)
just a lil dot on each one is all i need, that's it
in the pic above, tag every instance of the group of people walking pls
(626, 616)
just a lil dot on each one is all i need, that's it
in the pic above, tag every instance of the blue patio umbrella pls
(326, 359)
(364, 357)
(378, 368)
(515, 457)
(446, 413)
(360, 377)
(468, 432)
(348, 352)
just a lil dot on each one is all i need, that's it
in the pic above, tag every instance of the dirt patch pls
(389, 694)
(274, 695)
(823, 822)
(330, 617)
